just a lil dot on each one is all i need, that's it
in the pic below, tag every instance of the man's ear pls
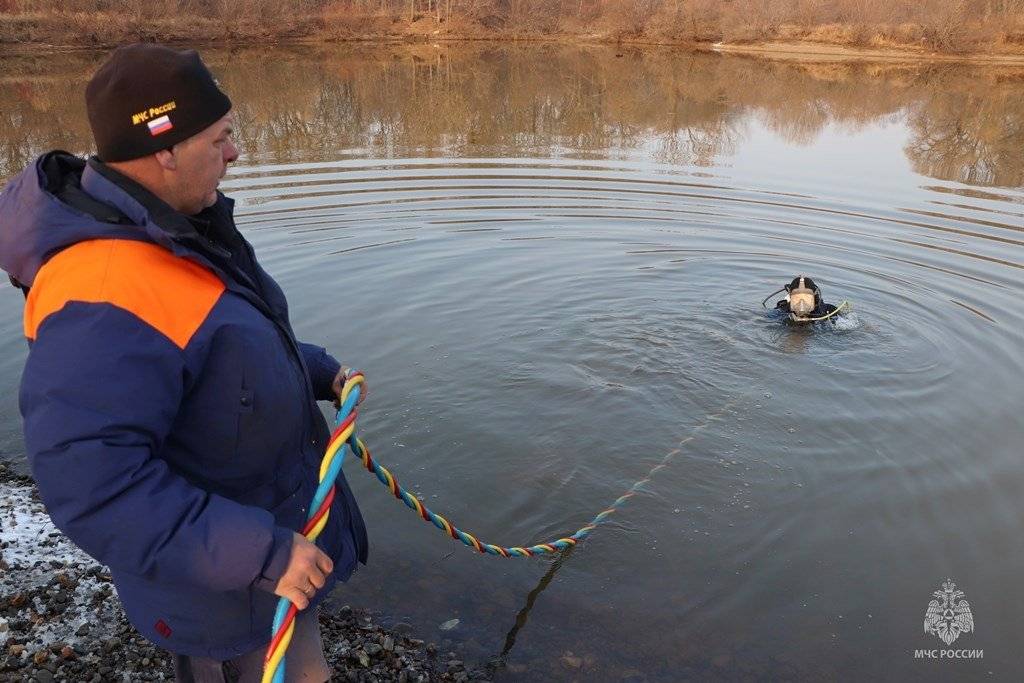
(167, 159)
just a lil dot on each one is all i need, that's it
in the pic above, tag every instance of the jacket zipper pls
(232, 281)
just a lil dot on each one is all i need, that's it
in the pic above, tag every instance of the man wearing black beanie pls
(169, 411)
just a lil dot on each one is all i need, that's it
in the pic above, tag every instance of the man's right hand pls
(307, 570)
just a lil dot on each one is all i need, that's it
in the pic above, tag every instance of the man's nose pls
(230, 152)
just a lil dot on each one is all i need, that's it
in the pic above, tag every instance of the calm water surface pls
(549, 263)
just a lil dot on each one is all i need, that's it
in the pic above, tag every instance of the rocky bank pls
(60, 619)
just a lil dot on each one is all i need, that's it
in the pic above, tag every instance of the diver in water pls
(803, 302)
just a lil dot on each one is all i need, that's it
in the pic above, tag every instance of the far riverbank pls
(926, 37)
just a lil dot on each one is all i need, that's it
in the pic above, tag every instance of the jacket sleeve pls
(323, 368)
(99, 397)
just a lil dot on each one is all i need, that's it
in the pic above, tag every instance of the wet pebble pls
(571, 662)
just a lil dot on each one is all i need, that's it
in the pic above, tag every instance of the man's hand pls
(339, 384)
(305, 574)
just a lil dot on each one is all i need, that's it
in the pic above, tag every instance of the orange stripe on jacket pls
(171, 294)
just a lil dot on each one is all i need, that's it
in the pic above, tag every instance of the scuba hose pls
(764, 302)
(828, 315)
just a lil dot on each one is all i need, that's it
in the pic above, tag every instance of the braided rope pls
(319, 511)
(412, 502)
(344, 433)
(442, 523)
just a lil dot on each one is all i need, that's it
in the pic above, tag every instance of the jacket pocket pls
(245, 400)
(208, 420)
(244, 421)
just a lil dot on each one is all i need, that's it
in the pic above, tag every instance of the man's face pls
(202, 161)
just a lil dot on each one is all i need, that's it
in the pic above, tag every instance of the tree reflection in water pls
(311, 104)
(974, 137)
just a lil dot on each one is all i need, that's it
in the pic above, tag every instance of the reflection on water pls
(680, 108)
(550, 263)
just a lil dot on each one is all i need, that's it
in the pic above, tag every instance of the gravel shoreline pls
(60, 619)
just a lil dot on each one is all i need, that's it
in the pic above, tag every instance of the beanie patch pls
(148, 114)
(160, 125)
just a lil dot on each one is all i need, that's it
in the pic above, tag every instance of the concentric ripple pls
(911, 273)
(539, 331)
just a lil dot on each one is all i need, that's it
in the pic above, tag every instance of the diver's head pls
(803, 297)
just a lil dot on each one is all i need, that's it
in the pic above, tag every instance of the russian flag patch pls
(160, 125)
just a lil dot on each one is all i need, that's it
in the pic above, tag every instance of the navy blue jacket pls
(170, 414)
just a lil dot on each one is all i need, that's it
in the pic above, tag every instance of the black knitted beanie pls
(148, 97)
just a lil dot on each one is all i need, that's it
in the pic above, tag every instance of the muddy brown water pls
(549, 263)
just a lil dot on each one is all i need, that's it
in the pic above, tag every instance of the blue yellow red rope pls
(319, 512)
(344, 433)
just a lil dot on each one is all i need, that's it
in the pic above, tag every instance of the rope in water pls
(344, 433)
(414, 503)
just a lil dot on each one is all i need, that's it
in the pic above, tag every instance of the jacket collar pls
(164, 224)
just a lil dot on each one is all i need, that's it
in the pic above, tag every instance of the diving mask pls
(801, 299)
